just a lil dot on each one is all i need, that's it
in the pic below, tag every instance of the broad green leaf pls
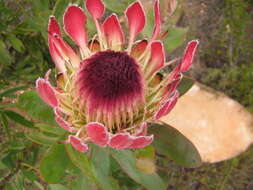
(102, 171)
(176, 37)
(82, 161)
(170, 142)
(31, 103)
(105, 181)
(14, 116)
(127, 161)
(54, 164)
(40, 138)
(185, 85)
(99, 155)
(81, 182)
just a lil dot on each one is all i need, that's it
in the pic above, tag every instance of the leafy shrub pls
(235, 81)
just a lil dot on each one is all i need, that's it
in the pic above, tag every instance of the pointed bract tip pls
(167, 106)
(189, 55)
(46, 92)
(74, 20)
(136, 19)
(96, 8)
(78, 144)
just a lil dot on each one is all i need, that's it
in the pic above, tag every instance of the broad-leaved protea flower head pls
(108, 91)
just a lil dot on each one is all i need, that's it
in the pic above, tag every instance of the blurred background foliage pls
(225, 56)
(224, 62)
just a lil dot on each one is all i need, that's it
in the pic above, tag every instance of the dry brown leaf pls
(218, 126)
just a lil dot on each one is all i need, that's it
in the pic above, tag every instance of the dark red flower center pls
(109, 77)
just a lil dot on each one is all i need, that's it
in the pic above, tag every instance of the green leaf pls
(9, 186)
(5, 125)
(99, 155)
(93, 173)
(50, 129)
(119, 6)
(36, 23)
(16, 43)
(54, 164)
(176, 37)
(31, 103)
(149, 26)
(57, 187)
(41, 5)
(14, 116)
(170, 142)
(127, 160)
(2, 165)
(16, 145)
(10, 91)
(10, 159)
(185, 85)
(40, 138)
(6, 58)
(102, 171)
(38, 184)
(30, 175)
(105, 181)
(81, 161)
(59, 9)
(81, 182)
(147, 152)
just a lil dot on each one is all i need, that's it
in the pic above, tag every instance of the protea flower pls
(108, 91)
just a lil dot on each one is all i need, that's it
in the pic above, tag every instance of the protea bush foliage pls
(107, 112)
(99, 123)
(108, 87)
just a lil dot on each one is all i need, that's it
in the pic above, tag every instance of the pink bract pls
(97, 133)
(46, 92)
(109, 86)
(121, 141)
(78, 144)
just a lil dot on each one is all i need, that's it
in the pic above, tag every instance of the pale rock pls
(218, 126)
